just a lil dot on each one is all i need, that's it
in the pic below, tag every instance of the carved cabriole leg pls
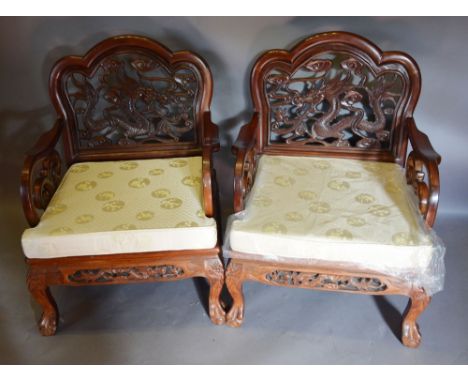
(40, 291)
(418, 302)
(234, 280)
(214, 271)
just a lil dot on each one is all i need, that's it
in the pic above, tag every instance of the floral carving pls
(333, 101)
(326, 281)
(158, 272)
(134, 98)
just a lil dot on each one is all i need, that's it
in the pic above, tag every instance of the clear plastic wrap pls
(417, 257)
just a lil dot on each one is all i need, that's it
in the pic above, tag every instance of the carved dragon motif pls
(134, 99)
(326, 281)
(158, 272)
(340, 103)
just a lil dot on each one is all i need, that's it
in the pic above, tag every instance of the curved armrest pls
(422, 172)
(210, 144)
(246, 162)
(420, 142)
(41, 174)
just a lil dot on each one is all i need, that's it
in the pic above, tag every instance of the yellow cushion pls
(124, 206)
(337, 210)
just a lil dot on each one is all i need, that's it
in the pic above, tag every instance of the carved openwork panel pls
(133, 98)
(326, 281)
(159, 272)
(334, 99)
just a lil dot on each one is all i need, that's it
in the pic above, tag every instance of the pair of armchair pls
(320, 196)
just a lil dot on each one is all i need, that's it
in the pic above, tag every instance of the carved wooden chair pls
(125, 176)
(322, 164)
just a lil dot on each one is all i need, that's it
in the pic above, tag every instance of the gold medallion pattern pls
(124, 227)
(300, 171)
(171, 203)
(83, 219)
(403, 238)
(96, 198)
(145, 215)
(128, 166)
(105, 196)
(294, 216)
(139, 182)
(356, 221)
(321, 164)
(284, 181)
(79, 168)
(379, 210)
(338, 185)
(192, 181)
(56, 208)
(186, 224)
(156, 171)
(178, 163)
(274, 227)
(85, 185)
(339, 233)
(105, 174)
(113, 206)
(365, 198)
(61, 231)
(308, 195)
(338, 199)
(161, 193)
(353, 174)
(319, 207)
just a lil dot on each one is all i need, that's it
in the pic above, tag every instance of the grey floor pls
(167, 323)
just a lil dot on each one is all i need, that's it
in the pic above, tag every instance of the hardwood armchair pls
(125, 176)
(320, 190)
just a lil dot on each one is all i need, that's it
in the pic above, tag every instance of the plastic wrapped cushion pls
(350, 213)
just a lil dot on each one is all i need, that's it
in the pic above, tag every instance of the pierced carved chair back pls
(130, 94)
(335, 93)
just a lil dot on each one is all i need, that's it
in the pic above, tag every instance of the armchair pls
(122, 189)
(321, 198)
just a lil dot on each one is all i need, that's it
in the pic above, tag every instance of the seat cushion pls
(337, 210)
(122, 207)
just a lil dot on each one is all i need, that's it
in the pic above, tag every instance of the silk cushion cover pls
(337, 210)
(122, 207)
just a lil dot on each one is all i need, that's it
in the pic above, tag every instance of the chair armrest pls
(246, 162)
(420, 142)
(41, 174)
(210, 144)
(422, 172)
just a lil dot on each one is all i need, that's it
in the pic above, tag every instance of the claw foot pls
(47, 325)
(217, 314)
(235, 317)
(411, 336)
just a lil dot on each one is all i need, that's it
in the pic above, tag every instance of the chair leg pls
(234, 280)
(215, 276)
(41, 293)
(418, 302)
